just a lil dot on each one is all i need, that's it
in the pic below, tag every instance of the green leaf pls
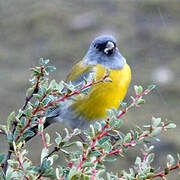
(127, 138)
(10, 119)
(170, 160)
(43, 89)
(69, 144)
(4, 128)
(109, 113)
(107, 146)
(85, 91)
(40, 127)
(55, 157)
(37, 96)
(29, 91)
(108, 80)
(150, 158)
(138, 89)
(44, 153)
(28, 133)
(110, 160)
(108, 71)
(50, 69)
(2, 158)
(57, 173)
(60, 86)
(10, 137)
(58, 140)
(150, 148)
(140, 140)
(103, 140)
(67, 133)
(2, 176)
(117, 123)
(45, 165)
(53, 85)
(141, 176)
(79, 144)
(20, 140)
(95, 153)
(17, 132)
(149, 175)
(170, 126)
(156, 131)
(140, 101)
(91, 131)
(14, 164)
(88, 164)
(47, 137)
(29, 112)
(136, 134)
(97, 126)
(23, 121)
(138, 161)
(156, 121)
(123, 104)
(76, 131)
(43, 62)
(46, 101)
(151, 87)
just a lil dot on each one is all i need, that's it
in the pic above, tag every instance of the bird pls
(102, 54)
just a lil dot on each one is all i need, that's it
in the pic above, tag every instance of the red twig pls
(38, 108)
(163, 173)
(94, 171)
(39, 105)
(42, 134)
(104, 133)
(132, 143)
(81, 162)
(78, 91)
(21, 165)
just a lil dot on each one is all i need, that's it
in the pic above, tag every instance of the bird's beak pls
(109, 47)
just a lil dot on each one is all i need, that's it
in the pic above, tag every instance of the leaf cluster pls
(86, 156)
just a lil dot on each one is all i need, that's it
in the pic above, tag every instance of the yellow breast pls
(105, 95)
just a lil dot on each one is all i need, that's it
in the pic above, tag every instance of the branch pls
(35, 91)
(76, 92)
(42, 134)
(10, 150)
(39, 108)
(104, 133)
(165, 172)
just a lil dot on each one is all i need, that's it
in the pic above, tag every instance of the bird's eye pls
(109, 48)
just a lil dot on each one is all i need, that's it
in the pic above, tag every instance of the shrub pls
(102, 142)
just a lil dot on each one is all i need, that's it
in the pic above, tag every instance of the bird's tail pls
(35, 130)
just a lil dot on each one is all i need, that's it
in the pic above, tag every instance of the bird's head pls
(103, 50)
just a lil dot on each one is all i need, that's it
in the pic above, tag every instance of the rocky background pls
(148, 35)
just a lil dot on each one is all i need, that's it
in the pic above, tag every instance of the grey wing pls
(54, 113)
(63, 113)
(85, 76)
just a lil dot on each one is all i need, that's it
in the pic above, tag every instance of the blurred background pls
(147, 33)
